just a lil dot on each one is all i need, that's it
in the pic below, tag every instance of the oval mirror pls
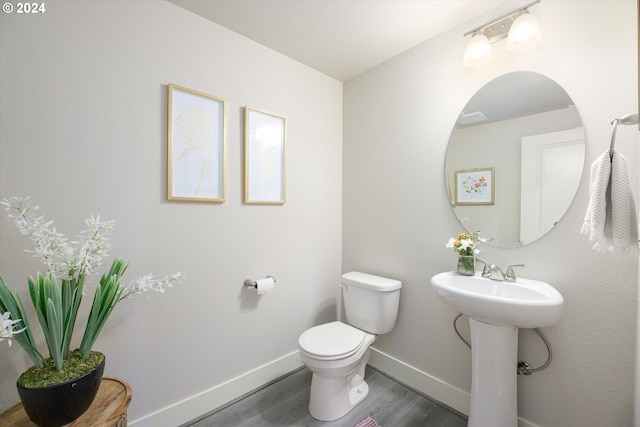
(515, 158)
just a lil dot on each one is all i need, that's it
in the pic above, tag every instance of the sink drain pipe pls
(523, 367)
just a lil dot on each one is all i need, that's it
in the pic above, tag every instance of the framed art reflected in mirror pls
(475, 187)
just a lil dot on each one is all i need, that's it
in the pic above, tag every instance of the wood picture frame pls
(196, 136)
(264, 157)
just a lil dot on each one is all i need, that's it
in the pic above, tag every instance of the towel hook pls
(629, 119)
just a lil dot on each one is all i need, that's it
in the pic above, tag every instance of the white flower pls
(148, 283)
(52, 247)
(6, 327)
(95, 245)
(466, 243)
(449, 245)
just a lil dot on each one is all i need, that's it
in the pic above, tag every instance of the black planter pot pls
(60, 404)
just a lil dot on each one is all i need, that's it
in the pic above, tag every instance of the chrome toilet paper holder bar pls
(254, 284)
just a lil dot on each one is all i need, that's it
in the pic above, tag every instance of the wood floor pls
(285, 403)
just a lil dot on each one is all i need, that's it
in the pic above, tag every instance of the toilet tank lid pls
(369, 281)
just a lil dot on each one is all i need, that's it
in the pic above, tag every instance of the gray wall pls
(83, 130)
(396, 217)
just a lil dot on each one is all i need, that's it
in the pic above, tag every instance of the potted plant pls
(466, 246)
(59, 388)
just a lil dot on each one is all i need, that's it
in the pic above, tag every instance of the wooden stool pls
(109, 408)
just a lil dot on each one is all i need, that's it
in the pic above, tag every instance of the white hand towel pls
(611, 220)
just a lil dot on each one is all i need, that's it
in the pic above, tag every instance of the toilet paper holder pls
(253, 284)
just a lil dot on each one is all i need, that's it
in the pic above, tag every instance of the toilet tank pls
(370, 302)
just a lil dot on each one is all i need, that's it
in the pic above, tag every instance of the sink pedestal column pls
(494, 353)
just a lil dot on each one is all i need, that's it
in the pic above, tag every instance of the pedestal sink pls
(496, 310)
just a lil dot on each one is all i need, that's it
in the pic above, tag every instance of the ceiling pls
(536, 94)
(340, 38)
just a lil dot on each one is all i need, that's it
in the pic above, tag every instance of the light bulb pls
(478, 51)
(524, 33)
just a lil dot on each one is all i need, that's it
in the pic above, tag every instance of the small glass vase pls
(466, 265)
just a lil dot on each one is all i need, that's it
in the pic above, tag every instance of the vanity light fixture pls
(520, 26)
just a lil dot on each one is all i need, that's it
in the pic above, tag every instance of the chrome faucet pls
(494, 272)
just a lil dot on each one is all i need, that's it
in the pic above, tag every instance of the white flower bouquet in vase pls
(466, 246)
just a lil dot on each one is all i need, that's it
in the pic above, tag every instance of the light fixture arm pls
(505, 16)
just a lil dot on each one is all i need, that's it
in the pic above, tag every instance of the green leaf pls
(47, 300)
(54, 334)
(30, 343)
(71, 299)
(105, 299)
(36, 290)
(15, 306)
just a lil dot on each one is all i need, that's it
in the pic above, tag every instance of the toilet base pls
(331, 399)
(334, 397)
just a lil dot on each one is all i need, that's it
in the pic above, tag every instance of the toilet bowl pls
(337, 353)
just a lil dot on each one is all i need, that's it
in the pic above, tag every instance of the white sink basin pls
(523, 304)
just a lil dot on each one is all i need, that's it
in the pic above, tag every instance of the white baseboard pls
(426, 384)
(420, 381)
(197, 405)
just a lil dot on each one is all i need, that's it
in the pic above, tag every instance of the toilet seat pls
(331, 341)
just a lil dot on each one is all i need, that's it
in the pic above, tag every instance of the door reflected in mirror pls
(526, 130)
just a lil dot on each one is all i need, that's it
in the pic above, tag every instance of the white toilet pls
(337, 353)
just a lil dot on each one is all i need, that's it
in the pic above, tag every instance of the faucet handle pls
(510, 275)
(485, 270)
